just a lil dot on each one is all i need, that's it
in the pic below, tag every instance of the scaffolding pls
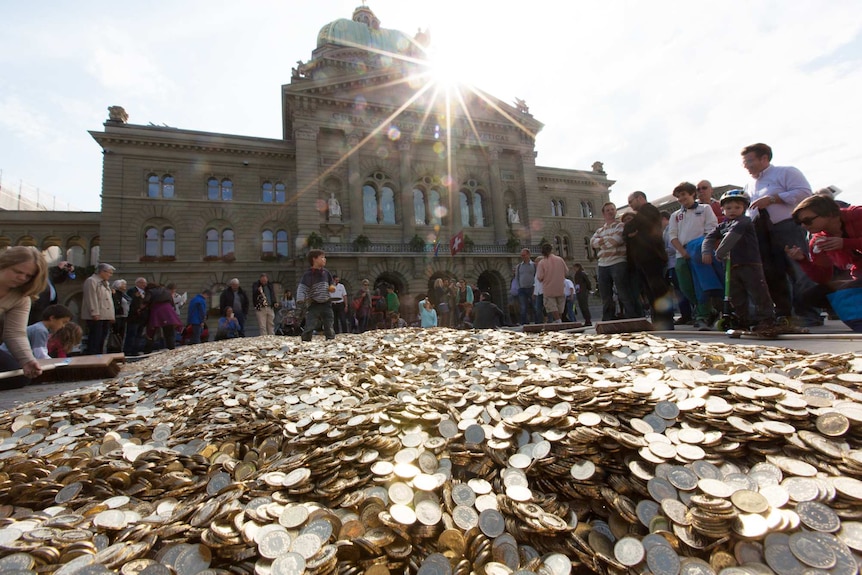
(24, 197)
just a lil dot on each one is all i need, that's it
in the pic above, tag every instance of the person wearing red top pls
(835, 245)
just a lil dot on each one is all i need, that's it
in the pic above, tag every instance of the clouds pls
(660, 92)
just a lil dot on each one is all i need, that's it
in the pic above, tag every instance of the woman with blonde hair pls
(23, 275)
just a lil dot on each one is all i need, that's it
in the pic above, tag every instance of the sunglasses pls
(806, 221)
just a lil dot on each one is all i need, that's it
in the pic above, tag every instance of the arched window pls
(561, 246)
(369, 204)
(266, 193)
(378, 200)
(75, 255)
(478, 210)
(273, 244)
(227, 242)
(160, 187)
(154, 186)
(561, 208)
(387, 205)
(471, 202)
(169, 242)
(160, 242)
(419, 212)
(281, 245)
(435, 207)
(219, 243)
(465, 208)
(553, 208)
(219, 190)
(586, 209)
(280, 193)
(151, 242)
(213, 245)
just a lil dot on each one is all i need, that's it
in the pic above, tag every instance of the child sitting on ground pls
(395, 320)
(735, 237)
(64, 340)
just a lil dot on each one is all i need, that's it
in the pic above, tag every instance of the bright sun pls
(448, 69)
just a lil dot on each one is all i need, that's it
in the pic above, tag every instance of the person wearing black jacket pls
(645, 250)
(583, 287)
(56, 275)
(234, 297)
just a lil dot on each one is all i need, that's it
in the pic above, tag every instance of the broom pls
(80, 368)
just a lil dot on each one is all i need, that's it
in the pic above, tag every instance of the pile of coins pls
(443, 452)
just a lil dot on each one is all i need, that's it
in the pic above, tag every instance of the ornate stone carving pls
(306, 133)
(117, 114)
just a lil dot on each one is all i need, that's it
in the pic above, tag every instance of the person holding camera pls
(56, 275)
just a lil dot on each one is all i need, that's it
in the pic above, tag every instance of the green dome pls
(364, 31)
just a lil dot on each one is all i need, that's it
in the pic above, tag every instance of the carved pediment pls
(367, 100)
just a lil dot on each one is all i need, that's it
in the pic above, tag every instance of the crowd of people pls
(792, 254)
(654, 262)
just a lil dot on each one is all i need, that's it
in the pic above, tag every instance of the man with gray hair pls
(235, 298)
(97, 307)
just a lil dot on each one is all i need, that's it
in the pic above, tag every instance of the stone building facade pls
(376, 165)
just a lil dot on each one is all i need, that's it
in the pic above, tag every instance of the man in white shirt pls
(775, 191)
(569, 291)
(687, 228)
(338, 299)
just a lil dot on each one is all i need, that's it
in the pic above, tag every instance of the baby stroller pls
(287, 322)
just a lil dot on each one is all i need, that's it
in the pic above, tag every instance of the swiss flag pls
(456, 244)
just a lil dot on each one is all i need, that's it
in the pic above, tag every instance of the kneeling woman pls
(835, 244)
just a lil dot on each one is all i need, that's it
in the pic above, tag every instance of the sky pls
(661, 92)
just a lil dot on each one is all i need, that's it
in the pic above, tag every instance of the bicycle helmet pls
(735, 195)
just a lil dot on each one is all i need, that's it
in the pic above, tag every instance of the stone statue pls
(117, 114)
(334, 206)
(513, 216)
(598, 167)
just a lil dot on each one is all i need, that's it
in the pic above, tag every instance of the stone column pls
(530, 203)
(498, 206)
(307, 183)
(408, 217)
(354, 188)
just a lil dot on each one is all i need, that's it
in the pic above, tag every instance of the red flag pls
(456, 244)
